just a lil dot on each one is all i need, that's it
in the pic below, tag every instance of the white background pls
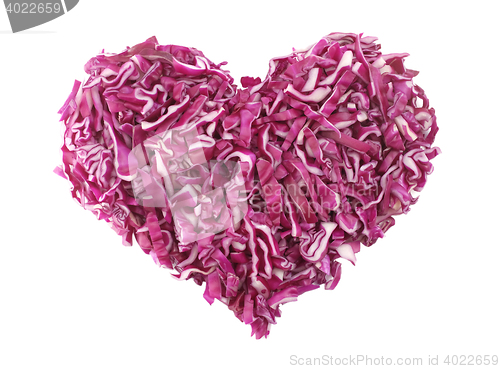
(71, 296)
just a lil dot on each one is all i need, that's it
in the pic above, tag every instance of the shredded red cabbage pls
(255, 191)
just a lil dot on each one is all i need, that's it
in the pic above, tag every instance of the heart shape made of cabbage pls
(255, 191)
